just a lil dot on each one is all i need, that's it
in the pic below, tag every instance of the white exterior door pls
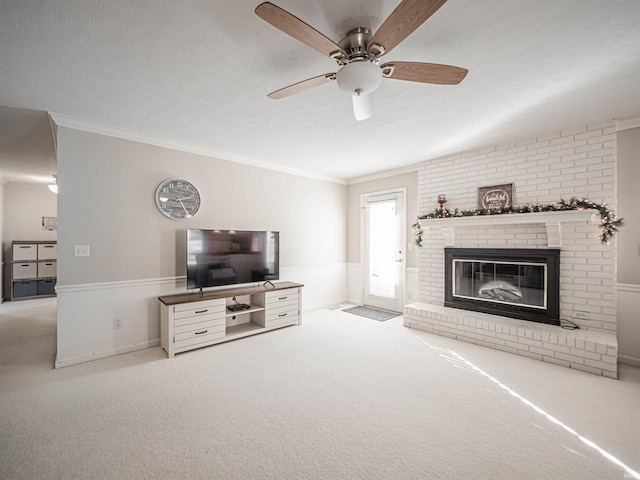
(383, 239)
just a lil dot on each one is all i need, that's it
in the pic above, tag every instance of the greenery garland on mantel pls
(609, 224)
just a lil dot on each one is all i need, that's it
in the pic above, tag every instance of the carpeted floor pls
(372, 313)
(339, 397)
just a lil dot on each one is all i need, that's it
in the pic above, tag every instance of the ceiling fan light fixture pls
(359, 78)
(362, 107)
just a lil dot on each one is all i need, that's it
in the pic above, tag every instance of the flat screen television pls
(229, 257)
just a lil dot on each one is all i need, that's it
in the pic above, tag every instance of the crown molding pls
(59, 120)
(385, 174)
(627, 123)
(54, 133)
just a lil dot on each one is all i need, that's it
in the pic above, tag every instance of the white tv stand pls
(194, 320)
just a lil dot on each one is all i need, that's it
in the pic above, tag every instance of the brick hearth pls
(591, 352)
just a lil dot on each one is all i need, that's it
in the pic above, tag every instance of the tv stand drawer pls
(207, 307)
(204, 331)
(272, 299)
(197, 341)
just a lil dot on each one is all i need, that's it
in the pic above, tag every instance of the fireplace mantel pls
(552, 220)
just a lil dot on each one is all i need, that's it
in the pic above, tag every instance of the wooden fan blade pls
(424, 72)
(293, 26)
(302, 86)
(407, 16)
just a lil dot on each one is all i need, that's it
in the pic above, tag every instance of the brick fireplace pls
(575, 162)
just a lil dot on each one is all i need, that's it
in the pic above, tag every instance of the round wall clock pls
(177, 198)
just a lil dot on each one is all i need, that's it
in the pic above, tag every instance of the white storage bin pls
(47, 269)
(47, 251)
(24, 251)
(25, 270)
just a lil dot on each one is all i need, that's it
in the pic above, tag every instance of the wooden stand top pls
(224, 293)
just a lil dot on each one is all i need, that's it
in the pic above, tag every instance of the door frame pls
(402, 240)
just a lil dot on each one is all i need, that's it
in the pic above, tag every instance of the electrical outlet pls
(117, 323)
(81, 250)
(581, 315)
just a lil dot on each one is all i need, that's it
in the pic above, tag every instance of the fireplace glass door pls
(514, 283)
(522, 283)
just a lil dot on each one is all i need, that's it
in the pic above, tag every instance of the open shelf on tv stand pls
(195, 320)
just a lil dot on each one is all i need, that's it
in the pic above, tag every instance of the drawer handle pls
(203, 331)
(282, 298)
(202, 311)
(47, 246)
(282, 315)
(24, 265)
(49, 264)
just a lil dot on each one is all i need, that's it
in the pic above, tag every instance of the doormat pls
(372, 313)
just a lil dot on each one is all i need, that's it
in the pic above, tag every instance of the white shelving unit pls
(32, 271)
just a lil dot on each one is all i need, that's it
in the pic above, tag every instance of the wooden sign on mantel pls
(495, 197)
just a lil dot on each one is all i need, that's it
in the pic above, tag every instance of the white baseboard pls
(107, 353)
(629, 360)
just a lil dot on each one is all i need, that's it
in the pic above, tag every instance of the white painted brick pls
(531, 355)
(585, 354)
(574, 144)
(587, 170)
(570, 358)
(556, 361)
(611, 137)
(598, 364)
(589, 134)
(573, 131)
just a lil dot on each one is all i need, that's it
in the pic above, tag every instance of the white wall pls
(24, 206)
(106, 201)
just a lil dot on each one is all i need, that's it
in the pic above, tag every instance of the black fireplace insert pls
(512, 282)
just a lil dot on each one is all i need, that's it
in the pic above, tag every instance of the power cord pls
(571, 326)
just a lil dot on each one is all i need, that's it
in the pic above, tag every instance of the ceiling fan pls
(358, 54)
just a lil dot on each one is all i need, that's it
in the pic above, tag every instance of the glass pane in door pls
(383, 271)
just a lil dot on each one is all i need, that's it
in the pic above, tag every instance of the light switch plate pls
(81, 250)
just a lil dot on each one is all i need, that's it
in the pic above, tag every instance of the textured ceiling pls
(195, 73)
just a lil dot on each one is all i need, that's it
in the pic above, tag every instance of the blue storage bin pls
(25, 289)
(46, 287)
